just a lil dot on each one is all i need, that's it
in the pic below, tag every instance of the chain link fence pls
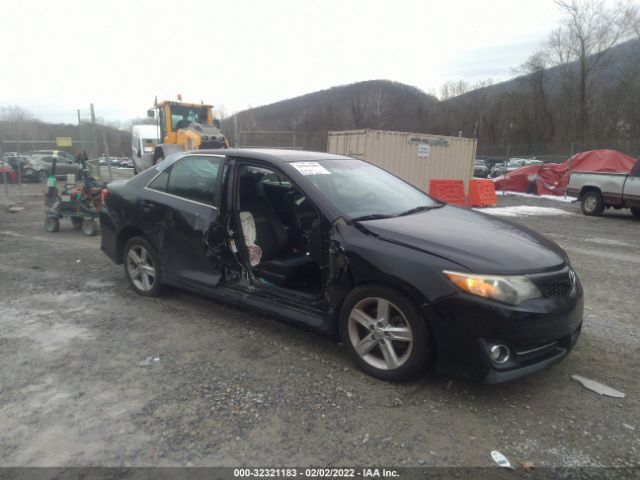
(269, 139)
(555, 152)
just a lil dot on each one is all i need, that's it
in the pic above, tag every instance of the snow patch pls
(99, 284)
(557, 198)
(10, 233)
(523, 210)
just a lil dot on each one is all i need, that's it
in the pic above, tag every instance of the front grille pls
(557, 289)
(556, 284)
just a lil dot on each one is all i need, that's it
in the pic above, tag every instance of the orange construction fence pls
(482, 193)
(450, 191)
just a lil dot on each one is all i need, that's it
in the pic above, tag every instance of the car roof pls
(276, 154)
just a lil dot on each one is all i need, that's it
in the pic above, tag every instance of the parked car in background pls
(498, 169)
(106, 161)
(48, 153)
(491, 161)
(41, 167)
(126, 162)
(480, 169)
(18, 162)
(514, 164)
(7, 172)
(339, 245)
(599, 190)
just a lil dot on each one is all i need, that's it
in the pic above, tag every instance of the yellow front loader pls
(185, 126)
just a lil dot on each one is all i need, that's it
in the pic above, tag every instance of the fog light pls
(499, 353)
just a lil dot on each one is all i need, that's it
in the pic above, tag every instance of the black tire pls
(43, 176)
(135, 243)
(77, 222)
(51, 224)
(635, 211)
(89, 227)
(416, 355)
(592, 203)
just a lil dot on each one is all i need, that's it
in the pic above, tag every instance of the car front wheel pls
(385, 333)
(142, 267)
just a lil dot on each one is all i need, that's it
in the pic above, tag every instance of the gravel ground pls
(95, 375)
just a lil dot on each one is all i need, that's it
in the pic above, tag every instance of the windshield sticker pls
(310, 168)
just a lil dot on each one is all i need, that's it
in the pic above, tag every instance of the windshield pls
(358, 189)
(182, 116)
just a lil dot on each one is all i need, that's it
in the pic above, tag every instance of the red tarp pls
(552, 178)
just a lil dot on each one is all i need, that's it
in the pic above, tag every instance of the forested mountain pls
(537, 110)
(371, 104)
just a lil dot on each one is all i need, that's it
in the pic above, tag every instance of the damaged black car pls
(339, 245)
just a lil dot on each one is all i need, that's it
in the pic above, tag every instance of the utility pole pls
(236, 132)
(106, 150)
(95, 133)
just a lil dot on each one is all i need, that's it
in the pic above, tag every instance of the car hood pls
(480, 242)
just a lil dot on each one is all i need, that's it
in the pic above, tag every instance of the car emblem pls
(572, 277)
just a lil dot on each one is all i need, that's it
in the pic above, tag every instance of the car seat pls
(279, 265)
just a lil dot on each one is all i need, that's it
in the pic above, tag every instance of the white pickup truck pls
(599, 190)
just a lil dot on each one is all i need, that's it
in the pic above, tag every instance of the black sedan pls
(336, 244)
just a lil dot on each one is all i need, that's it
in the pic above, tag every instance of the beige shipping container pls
(415, 157)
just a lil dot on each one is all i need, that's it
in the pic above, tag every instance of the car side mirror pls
(151, 113)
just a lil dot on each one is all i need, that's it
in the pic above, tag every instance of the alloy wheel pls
(380, 333)
(140, 268)
(590, 203)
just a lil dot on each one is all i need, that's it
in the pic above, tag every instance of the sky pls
(62, 55)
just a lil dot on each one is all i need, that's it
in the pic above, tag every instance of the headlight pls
(512, 289)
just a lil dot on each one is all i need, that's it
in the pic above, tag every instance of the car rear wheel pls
(141, 266)
(592, 203)
(385, 333)
(635, 211)
(43, 176)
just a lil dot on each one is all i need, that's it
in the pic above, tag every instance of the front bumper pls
(539, 333)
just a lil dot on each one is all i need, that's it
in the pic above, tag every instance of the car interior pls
(281, 231)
